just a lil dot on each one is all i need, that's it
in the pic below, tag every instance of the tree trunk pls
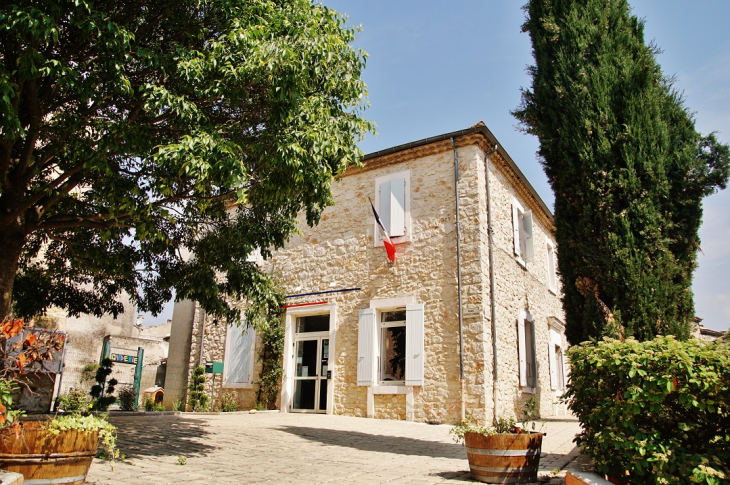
(11, 245)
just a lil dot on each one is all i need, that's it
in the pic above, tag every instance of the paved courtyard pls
(237, 448)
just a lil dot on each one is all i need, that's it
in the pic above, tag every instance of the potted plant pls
(504, 452)
(58, 450)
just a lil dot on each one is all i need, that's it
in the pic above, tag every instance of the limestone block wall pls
(520, 287)
(213, 338)
(340, 253)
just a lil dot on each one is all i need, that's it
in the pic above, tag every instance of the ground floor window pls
(238, 360)
(393, 346)
(526, 350)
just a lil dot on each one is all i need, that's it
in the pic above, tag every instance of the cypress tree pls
(627, 166)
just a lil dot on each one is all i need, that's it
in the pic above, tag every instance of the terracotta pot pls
(503, 458)
(43, 457)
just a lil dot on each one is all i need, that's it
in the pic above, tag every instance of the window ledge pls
(390, 389)
(520, 261)
(554, 291)
(237, 385)
(529, 390)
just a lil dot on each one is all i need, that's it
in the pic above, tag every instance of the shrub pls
(127, 399)
(103, 398)
(74, 401)
(658, 409)
(197, 400)
(228, 402)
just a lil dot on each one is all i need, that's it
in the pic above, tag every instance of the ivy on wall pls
(264, 313)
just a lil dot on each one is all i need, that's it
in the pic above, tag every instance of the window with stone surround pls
(390, 345)
(526, 351)
(238, 361)
(393, 204)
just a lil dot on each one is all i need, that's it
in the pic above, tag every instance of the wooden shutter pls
(527, 224)
(553, 365)
(238, 363)
(521, 349)
(367, 347)
(414, 345)
(384, 210)
(397, 208)
(516, 229)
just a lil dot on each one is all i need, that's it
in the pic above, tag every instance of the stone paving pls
(238, 448)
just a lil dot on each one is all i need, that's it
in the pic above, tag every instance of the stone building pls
(367, 337)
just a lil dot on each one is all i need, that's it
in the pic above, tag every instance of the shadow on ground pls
(143, 437)
(374, 442)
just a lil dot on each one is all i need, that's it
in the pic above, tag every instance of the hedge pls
(658, 409)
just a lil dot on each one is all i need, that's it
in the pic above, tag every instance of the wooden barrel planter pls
(46, 458)
(503, 458)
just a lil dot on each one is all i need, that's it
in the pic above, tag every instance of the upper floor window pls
(522, 227)
(393, 204)
(552, 277)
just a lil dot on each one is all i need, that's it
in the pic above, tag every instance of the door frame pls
(290, 340)
(304, 337)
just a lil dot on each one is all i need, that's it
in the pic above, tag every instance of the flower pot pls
(503, 458)
(44, 457)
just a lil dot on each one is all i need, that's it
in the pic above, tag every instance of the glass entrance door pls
(310, 380)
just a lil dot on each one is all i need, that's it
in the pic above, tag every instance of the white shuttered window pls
(522, 237)
(526, 350)
(392, 202)
(239, 357)
(367, 346)
(414, 345)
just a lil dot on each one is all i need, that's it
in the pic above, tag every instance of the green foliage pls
(178, 405)
(501, 426)
(127, 398)
(659, 409)
(228, 402)
(181, 460)
(126, 131)
(627, 166)
(107, 432)
(74, 401)
(103, 398)
(267, 317)
(8, 416)
(197, 399)
(88, 373)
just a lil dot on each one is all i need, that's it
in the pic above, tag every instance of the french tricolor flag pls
(389, 246)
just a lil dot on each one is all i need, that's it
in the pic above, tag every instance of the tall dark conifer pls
(626, 164)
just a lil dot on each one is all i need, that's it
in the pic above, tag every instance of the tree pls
(626, 164)
(129, 130)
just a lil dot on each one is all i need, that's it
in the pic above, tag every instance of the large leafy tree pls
(627, 166)
(129, 128)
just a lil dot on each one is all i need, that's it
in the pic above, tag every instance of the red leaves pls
(11, 328)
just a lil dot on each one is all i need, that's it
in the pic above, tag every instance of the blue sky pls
(436, 67)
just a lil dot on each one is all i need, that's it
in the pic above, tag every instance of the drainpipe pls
(462, 380)
(490, 235)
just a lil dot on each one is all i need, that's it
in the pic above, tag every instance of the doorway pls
(311, 364)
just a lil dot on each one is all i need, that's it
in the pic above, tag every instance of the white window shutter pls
(397, 208)
(367, 340)
(414, 345)
(516, 229)
(553, 366)
(529, 250)
(238, 362)
(385, 203)
(521, 346)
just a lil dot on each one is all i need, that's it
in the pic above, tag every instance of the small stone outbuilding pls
(367, 337)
